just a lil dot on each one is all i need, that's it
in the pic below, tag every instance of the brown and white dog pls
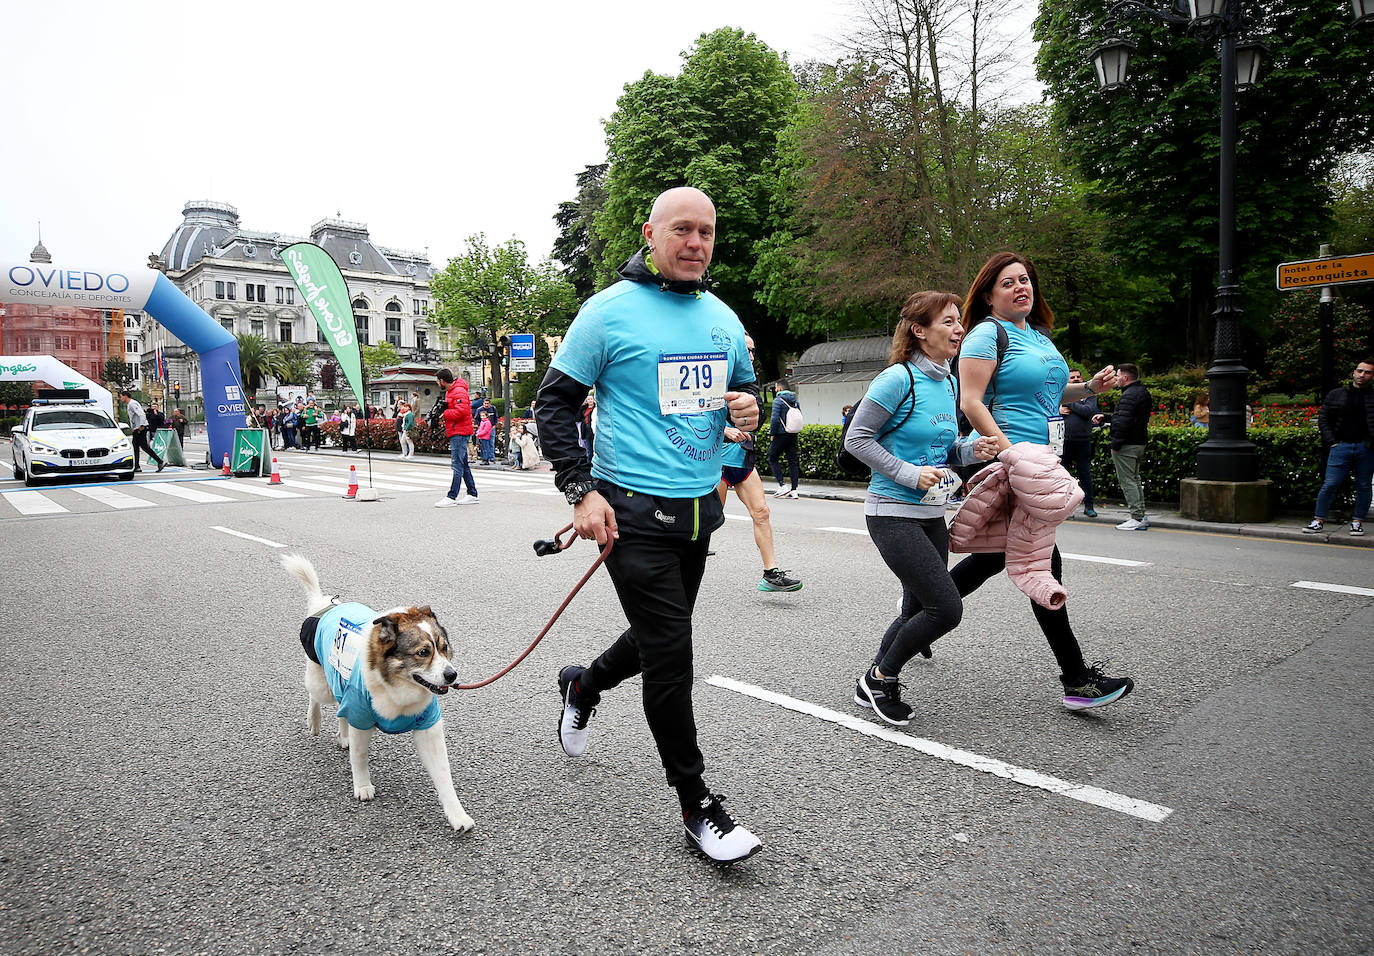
(378, 670)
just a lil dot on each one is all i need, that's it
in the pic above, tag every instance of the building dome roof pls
(205, 225)
(40, 253)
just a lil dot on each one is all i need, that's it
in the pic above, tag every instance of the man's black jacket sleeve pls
(559, 406)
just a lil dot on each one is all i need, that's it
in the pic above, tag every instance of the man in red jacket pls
(458, 428)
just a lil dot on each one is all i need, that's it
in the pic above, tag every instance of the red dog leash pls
(542, 548)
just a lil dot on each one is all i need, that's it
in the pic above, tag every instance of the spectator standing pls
(311, 428)
(783, 444)
(156, 420)
(1079, 419)
(458, 428)
(651, 483)
(1202, 411)
(1347, 425)
(179, 425)
(526, 448)
(138, 426)
(1130, 432)
(405, 421)
(586, 427)
(348, 429)
(486, 440)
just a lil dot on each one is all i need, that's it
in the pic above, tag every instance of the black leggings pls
(917, 551)
(969, 575)
(784, 443)
(657, 580)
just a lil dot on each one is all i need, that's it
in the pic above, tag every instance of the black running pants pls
(657, 579)
(917, 552)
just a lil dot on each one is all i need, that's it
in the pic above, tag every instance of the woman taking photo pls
(906, 430)
(1018, 401)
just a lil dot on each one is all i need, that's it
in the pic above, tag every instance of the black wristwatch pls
(575, 491)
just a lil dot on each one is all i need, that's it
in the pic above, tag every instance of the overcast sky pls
(429, 121)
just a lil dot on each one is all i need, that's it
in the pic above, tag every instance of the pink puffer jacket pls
(1014, 506)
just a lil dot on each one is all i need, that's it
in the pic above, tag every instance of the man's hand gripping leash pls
(541, 548)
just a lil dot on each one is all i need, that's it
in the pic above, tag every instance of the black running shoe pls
(776, 579)
(712, 830)
(1095, 689)
(578, 708)
(885, 697)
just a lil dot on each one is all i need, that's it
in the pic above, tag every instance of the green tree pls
(117, 374)
(1295, 348)
(489, 291)
(297, 365)
(578, 247)
(258, 362)
(1150, 150)
(714, 126)
(528, 386)
(377, 357)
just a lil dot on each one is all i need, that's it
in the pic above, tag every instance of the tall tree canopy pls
(714, 126)
(1151, 149)
(488, 291)
(578, 247)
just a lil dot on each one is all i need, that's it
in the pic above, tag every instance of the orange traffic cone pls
(276, 473)
(225, 470)
(352, 491)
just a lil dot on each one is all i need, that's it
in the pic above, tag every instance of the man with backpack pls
(783, 427)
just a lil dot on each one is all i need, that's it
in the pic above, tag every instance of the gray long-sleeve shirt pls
(137, 418)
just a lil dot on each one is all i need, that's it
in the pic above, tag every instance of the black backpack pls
(965, 472)
(846, 462)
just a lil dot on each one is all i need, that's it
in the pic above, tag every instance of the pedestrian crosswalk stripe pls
(113, 499)
(275, 491)
(179, 491)
(33, 503)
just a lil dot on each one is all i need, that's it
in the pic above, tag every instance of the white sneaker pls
(468, 500)
(712, 830)
(792, 494)
(445, 503)
(780, 493)
(1130, 524)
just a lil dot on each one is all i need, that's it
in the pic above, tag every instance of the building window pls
(228, 324)
(284, 332)
(131, 371)
(393, 331)
(131, 346)
(360, 305)
(281, 295)
(219, 289)
(229, 289)
(248, 291)
(361, 321)
(262, 293)
(290, 295)
(257, 325)
(421, 340)
(63, 342)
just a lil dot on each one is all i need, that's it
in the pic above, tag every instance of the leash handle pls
(550, 547)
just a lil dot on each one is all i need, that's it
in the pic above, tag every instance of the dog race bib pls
(691, 382)
(343, 650)
(1057, 434)
(938, 494)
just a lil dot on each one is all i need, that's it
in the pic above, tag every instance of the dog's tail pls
(304, 571)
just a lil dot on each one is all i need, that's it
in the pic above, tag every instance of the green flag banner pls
(324, 289)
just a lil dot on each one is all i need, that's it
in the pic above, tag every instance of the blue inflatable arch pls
(146, 290)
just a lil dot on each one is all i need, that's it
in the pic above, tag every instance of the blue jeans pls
(462, 472)
(1343, 458)
(487, 448)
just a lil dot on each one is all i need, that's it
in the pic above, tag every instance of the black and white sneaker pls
(578, 708)
(884, 695)
(712, 830)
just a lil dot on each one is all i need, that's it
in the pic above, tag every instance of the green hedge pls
(1290, 457)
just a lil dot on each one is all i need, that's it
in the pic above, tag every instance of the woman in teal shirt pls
(906, 430)
(1015, 400)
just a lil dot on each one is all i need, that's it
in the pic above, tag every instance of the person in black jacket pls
(1347, 424)
(1130, 431)
(1079, 419)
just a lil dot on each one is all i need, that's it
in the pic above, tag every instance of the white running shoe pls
(712, 830)
(1130, 524)
(467, 500)
(445, 503)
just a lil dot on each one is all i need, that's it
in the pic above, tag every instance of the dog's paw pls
(341, 741)
(461, 822)
(364, 791)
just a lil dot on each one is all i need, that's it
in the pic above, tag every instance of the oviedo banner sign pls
(144, 290)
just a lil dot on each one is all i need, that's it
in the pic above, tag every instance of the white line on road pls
(1030, 778)
(1338, 588)
(33, 503)
(240, 534)
(113, 499)
(177, 491)
(846, 530)
(266, 491)
(1098, 559)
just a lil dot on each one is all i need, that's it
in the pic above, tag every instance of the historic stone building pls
(237, 276)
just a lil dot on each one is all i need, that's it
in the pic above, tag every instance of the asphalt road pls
(160, 795)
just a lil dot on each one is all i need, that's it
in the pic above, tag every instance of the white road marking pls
(1029, 778)
(33, 503)
(320, 485)
(240, 534)
(113, 499)
(1337, 588)
(266, 491)
(1098, 559)
(863, 531)
(177, 491)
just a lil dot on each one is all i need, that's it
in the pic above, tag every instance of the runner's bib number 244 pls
(691, 382)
